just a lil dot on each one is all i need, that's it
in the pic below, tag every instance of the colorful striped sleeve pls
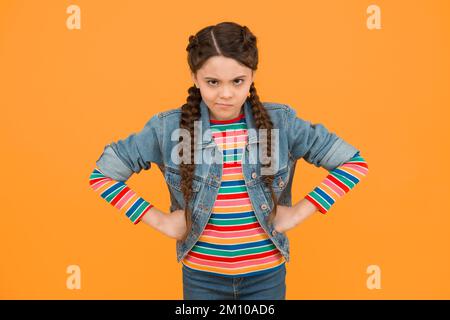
(338, 182)
(119, 195)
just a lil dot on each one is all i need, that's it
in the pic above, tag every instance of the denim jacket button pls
(281, 184)
(254, 175)
(274, 233)
(264, 206)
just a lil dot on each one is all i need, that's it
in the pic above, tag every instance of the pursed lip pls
(224, 104)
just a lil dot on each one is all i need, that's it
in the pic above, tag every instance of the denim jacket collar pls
(206, 128)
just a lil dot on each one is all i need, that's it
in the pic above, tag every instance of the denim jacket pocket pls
(173, 180)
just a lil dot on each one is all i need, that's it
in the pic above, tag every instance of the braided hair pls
(231, 40)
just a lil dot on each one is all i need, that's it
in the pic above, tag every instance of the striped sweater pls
(338, 182)
(233, 242)
(119, 195)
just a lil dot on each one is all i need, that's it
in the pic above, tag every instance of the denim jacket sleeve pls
(121, 159)
(315, 144)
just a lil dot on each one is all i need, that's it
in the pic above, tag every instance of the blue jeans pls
(198, 285)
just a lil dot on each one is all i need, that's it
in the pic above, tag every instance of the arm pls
(119, 195)
(122, 159)
(337, 183)
(317, 145)
(136, 152)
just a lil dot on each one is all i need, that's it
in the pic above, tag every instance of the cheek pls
(243, 92)
(207, 93)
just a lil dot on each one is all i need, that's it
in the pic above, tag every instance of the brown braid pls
(231, 40)
(262, 121)
(190, 113)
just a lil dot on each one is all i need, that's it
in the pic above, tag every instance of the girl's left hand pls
(286, 218)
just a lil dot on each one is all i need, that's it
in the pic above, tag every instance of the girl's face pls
(224, 85)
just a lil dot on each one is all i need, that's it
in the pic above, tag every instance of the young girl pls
(228, 160)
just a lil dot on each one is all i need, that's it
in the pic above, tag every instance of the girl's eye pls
(215, 81)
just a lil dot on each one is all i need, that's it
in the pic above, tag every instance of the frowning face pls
(224, 85)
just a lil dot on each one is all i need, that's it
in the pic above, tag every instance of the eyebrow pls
(211, 78)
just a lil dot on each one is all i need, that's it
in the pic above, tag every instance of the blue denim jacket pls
(155, 143)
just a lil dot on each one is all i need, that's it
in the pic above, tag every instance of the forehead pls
(220, 67)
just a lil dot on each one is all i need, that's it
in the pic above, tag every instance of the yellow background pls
(65, 94)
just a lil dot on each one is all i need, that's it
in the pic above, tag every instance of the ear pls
(194, 79)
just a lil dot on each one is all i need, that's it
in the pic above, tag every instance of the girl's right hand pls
(174, 224)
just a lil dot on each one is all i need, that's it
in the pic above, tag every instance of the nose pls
(226, 93)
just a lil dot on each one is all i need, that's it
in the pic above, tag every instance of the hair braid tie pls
(193, 42)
